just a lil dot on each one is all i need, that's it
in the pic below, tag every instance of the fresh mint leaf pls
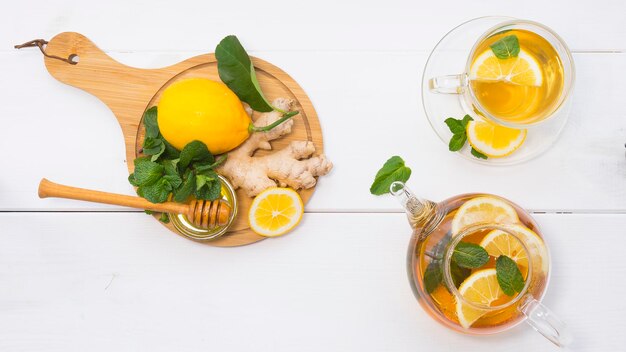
(156, 192)
(457, 142)
(164, 218)
(202, 180)
(154, 147)
(131, 179)
(458, 273)
(210, 191)
(466, 120)
(393, 170)
(170, 152)
(432, 276)
(146, 172)
(170, 167)
(509, 276)
(201, 167)
(192, 152)
(470, 255)
(455, 126)
(237, 71)
(174, 180)
(505, 48)
(186, 189)
(150, 123)
(459, 136)
(148, 212)
(478, 154)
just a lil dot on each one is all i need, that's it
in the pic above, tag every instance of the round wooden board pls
(129, 91)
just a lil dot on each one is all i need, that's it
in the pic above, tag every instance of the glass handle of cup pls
(450, 84)
(545, 322)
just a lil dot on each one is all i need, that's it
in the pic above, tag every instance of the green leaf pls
(200, 167)
(237, 72)
(148, 212)
(146, 172)
(478, 154)
(170, 152)
(457, 142)
(150, 123)
(455, 126)
(210, 191)
(506, 48)
(164, 218)
(154, 147)
(470, 255)
(466, 120)
(202, 180)
(156, 192)
(192, 152)
(393, 170)
(131, 179)
(174, 180)
(432, 276)
(170, 167)
(459, 274)
(509, 276)
(186, 189)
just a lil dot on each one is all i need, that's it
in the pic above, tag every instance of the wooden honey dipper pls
(202, 213)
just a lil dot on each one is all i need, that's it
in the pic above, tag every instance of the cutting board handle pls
(97, 73)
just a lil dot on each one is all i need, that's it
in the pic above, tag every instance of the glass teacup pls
(518, 74)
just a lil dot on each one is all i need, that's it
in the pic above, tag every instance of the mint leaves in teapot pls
(467, 256)
(509, 276)
(470, 255)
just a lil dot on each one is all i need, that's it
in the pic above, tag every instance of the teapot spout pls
(407, 199)
(419, 212)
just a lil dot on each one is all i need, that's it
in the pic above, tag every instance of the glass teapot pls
(478, 264)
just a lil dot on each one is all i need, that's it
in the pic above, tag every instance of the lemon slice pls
(522, 70)
(498, 243)
(493, 140)
(485, 209)
(275, 211)
(481, 288)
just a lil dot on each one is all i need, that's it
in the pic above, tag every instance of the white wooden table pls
(87, 277)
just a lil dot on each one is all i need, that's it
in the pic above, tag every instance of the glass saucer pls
(449, 57)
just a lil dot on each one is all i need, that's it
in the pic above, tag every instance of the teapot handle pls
(545, 322)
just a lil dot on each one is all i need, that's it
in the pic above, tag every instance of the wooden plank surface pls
(305, 26)
(121, 282)
(102, 281)
(364, 118)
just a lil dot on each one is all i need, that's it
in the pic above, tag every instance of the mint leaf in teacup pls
(505, 48)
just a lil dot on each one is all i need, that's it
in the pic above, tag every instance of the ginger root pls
(292, 166)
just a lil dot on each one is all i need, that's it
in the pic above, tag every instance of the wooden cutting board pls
(129, 91)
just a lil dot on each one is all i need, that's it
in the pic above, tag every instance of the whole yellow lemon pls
(204, 110)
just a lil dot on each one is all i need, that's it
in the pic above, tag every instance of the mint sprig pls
(470, 255)
(165, 171)
(459, 135)
(506, 47)
(393, 170)
(509, 276)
